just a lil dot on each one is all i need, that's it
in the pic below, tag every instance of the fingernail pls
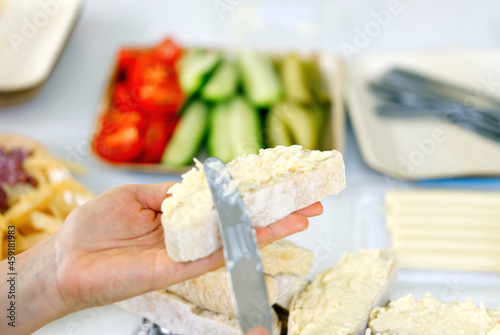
(257, 331)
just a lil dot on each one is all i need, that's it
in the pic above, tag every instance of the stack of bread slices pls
(203, 305)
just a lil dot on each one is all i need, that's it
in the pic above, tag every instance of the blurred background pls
(412, 101)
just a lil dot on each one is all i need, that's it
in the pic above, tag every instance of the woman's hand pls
(112, 248)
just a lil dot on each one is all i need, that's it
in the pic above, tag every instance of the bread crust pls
(212, 291)
(289, 285)
(284, 256)
(177, 315)
(284, 262)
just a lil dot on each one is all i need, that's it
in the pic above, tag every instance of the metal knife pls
(240, 247)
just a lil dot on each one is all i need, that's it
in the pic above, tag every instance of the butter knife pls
(240, 247)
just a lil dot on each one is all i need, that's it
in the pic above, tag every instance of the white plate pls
(32, 35)
(425, 147)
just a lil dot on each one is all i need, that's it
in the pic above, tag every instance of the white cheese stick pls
(426, 220)
(470, 234)
(463, 261)
(440, 198)
(448, 245)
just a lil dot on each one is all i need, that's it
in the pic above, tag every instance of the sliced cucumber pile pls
(247, 103)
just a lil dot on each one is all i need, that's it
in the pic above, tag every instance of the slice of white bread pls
(339, 300)
(273, 184)
(212, 291)
(182, 317)
(431, 316)
(284, 256)
(289, 284)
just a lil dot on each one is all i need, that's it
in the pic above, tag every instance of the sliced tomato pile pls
(144, 107)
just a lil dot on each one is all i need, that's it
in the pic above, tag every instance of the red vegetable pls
(169, 51)
(156, 137)
(144, 106)
(126, 58)
(154, 85)
(119, 139)
(122, 99)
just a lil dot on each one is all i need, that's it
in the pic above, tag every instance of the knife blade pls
(241, 251)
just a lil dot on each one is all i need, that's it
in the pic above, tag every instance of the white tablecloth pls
(62, 115)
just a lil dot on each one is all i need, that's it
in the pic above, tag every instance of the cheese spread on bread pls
(248, 171)
(273, 184)
(339, 300)
(431, 316)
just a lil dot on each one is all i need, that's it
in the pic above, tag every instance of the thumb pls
(257, 331)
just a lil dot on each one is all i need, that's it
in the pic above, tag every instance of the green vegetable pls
(219, 137)
(196, 69)
(222, 84)
(299, 123)
(245, 128)
(316, 81)
(276, 131)
(293, 77)
(188, 135)
(235, 130)
(260, 81)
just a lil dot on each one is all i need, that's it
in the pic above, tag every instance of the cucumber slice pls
(196, 69)
(235, 129)
(245, 128)
(293, 77)
(222, 84)
(276, 131)
(186, 58)
(317, 82)
(319, 115)
(219, 137)
(323, 122)
(260, 80)
(188, 135)
(299, 122)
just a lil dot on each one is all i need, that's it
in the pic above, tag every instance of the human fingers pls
(312, 210)
(257, 331)
(151, 196)
(265, 235)
(287, 226)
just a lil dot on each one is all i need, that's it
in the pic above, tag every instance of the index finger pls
(151, 196)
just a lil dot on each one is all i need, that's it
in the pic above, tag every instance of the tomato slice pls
(164, 98)
(119, 139)
(155, 140)
(169, 51)
(122, 99)
(126, 58)
(153, 84)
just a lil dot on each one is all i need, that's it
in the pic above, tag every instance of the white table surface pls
(62, 115)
